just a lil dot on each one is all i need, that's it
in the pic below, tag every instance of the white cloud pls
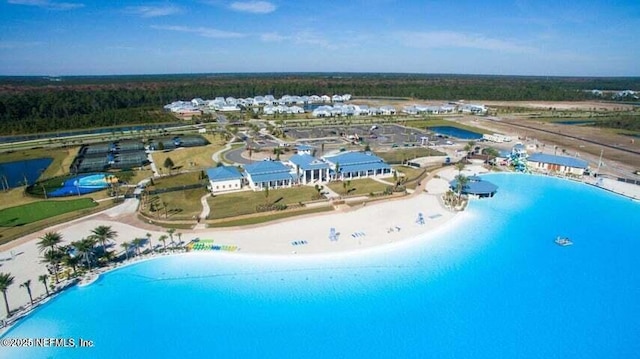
(304, 38)
(254, 7)
(272, 37)
(202, 31)
(451, 39)
(47, 4)
(10, 45)
(153, 11)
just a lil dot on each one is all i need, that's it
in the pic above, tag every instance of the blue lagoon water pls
(490, 283)
(456, 132)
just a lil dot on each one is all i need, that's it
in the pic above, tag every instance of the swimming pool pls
(490, 283)
(83, 184)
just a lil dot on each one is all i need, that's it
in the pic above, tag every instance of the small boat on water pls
(563, 241)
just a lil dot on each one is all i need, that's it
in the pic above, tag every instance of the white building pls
(224, 179)
(557, 164)
(271, 174)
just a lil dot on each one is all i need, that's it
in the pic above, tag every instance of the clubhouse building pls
(301, 169)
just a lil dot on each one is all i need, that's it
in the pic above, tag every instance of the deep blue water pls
(456, 132)
(16, 172)
(489, 284)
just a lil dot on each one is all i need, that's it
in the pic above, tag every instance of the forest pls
(42, 104)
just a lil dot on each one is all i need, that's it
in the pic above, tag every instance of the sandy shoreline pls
(378, 225)
(375, 225)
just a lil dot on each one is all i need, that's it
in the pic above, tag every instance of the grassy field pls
(270, 217)
(411, 174)
(189, 158)
(176, 180)
(180, 205)
(32, 212)
(399, 154)
(360, 187)
(240, 203)
(8, 234)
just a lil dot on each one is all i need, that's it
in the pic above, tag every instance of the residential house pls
(387, 110)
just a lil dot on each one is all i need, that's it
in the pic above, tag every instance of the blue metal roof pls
(308, 162)
(351, 158)
(558, 160)
(267, 177)
(264, 167)
(224, 173)
(475, 186)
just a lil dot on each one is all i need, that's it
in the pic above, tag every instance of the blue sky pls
(521, 37)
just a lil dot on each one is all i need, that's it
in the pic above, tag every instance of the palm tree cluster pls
(84, 254)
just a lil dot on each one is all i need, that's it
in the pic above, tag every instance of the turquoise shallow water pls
(489, 284)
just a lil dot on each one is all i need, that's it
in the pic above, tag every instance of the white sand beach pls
(376, 224)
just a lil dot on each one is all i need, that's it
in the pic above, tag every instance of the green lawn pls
(180, 205)
(240, 203)
(397, 155)
(32, 212)
(270, 217)
(360, 187)
(182, 179)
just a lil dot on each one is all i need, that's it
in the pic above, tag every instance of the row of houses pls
(234, 104)
(352, 110)
(301, 169)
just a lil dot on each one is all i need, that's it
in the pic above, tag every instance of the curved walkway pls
(204, 214)
(216, 155)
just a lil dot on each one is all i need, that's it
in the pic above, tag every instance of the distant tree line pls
(29, 104)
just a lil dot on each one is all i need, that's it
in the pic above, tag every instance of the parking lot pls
(383, 136)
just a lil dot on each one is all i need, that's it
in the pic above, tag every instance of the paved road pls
(235, 156)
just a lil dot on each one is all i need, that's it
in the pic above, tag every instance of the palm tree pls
(137, 243)
(460, 165)
(71, 261)
(103, 234)
(179, 235)
(53, 258)
(126, 246)
(86, 247)
(461, 183)
(163, 239)
(149, 241)
(170, 232)
(266, 194)
(50, 241)
(27, 285)
(6, 280)
(43, 278)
